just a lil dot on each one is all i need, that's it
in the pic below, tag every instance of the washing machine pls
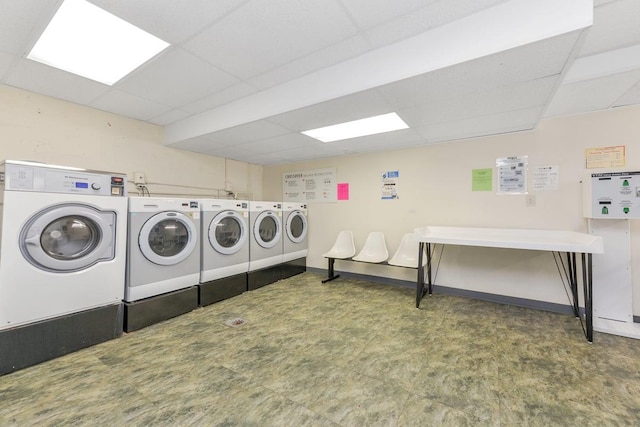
(225, 249)
(163, 259)
(294, 239)
(265, 248)
(62, 260)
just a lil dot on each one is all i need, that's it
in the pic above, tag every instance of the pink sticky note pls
(343, 191)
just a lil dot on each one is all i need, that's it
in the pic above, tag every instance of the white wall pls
(435, 189)
(44, 129)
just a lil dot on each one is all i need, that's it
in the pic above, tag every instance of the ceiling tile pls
(40, 78)
(615, 25)
(6, 59)
(533, 61)
(380, 142)
(370, 13)
(262, 35)
(122, 103)
(491, 124)
(222, 97)
(433, 15)
(21, 23)
(591, 95)
(341, 51)
(173, 21)
(175, 78)
(631, 97)
(169, 117)
(481, 103)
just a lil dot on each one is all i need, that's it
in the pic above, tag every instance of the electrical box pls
(614, 195)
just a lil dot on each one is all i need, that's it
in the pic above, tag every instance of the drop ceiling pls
(243, 78)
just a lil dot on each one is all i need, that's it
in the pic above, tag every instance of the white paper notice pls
(512, 175)
(545, 178)
(390, 185)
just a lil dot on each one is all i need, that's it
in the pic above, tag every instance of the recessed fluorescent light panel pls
(363, 127)
(88, 41)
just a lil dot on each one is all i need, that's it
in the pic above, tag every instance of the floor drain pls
(234, 323)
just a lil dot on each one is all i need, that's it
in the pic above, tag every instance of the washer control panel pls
(23, 176)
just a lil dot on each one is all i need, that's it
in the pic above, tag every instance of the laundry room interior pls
(498, 101)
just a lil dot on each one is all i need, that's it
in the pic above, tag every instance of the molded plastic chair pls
(343, 248)
(407, 253)
(374, 249)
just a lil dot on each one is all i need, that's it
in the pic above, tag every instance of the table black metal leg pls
(573, 281)
(587, 281)
(420, 278)
(429, 282)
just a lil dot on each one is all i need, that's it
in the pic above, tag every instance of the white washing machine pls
(294, 242)
(63, 241)
(294, 239)
(225, 249)
(265, 249)
(62, 260)
(163, 260)
(163, 253)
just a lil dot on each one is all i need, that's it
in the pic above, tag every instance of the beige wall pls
(40, 128)
(435, 189)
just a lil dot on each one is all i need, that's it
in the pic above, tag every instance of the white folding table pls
(556, 241)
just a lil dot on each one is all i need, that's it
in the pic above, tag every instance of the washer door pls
(266, 229)
(167, 238)
(227, 232)
(68, 237)
(296, 226)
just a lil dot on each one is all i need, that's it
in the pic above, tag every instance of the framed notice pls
(605, 157)
(318, 185)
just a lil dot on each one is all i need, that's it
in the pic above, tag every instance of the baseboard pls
(483, 296)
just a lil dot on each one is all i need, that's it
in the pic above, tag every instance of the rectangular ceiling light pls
(363, 127)
(88, 41)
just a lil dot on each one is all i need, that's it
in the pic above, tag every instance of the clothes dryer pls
(294, 239)
(265, 249)
(163, 259)
(225, 249)
(62, 259)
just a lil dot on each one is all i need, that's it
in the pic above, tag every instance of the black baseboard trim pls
(483, 296)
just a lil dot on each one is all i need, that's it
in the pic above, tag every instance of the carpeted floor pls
(347, 353)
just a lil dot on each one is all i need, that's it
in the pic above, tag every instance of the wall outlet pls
(228, 186)
(138, 178)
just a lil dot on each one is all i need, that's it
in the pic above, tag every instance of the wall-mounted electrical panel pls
(614, 195)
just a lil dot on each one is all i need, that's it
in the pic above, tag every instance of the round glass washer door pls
(296, 226)
(167, 238)
(68, 238)
(266, 229)
(227, 232)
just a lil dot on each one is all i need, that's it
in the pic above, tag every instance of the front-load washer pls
(265, 249)
(163, 259)
(294, 239)
(62, 260)
(225, 249)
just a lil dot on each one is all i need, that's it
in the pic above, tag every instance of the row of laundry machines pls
(81, 262)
